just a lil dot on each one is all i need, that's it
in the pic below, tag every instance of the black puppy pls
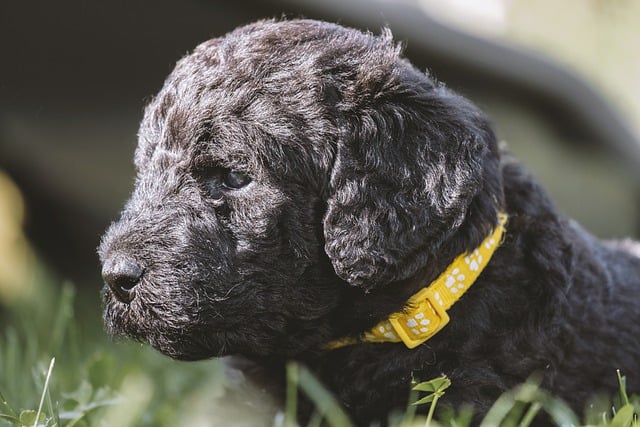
(303, 192)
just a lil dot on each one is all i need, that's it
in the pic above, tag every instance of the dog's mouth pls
(179, 336)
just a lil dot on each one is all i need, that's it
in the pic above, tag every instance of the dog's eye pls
(217, 180)
(234, 179)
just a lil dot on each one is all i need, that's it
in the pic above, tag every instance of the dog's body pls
(298, 182)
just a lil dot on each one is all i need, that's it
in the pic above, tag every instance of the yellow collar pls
(426, 311)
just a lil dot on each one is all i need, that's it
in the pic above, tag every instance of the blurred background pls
(560, 80)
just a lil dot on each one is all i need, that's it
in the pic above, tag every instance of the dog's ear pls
(413, 163)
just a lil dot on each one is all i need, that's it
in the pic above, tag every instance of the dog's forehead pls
(262, 90)
(237, 126)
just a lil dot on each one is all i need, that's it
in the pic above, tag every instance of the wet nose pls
(122, 274)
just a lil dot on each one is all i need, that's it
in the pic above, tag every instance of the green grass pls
(58, 368)
(96, 382)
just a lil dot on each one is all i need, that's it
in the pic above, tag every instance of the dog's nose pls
(122, 274)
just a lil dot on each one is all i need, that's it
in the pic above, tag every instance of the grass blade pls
(6, 405)
(622, 382)
(528, 417)
(291, 408)
(325, 403)
(624, 417)
(44, 391)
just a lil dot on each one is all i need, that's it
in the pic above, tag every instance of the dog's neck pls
(425, 313)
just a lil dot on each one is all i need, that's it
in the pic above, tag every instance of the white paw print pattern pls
(418, 324)
(455, 281)
(474, 260)
(438, 298)
(490, 243)
(387, 331)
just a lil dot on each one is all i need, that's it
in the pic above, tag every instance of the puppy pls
(303, 192)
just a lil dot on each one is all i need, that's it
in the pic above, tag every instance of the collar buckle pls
(424, 317)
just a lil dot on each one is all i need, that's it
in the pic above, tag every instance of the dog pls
(304, 193)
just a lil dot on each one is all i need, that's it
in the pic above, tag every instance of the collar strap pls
(426, 311)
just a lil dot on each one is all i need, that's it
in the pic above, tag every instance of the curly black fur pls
(366, 179)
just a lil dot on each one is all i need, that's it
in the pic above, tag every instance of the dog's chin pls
(128, 321)
(186, 352)
(177, 347)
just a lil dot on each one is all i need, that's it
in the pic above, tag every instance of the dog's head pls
(283, 171)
